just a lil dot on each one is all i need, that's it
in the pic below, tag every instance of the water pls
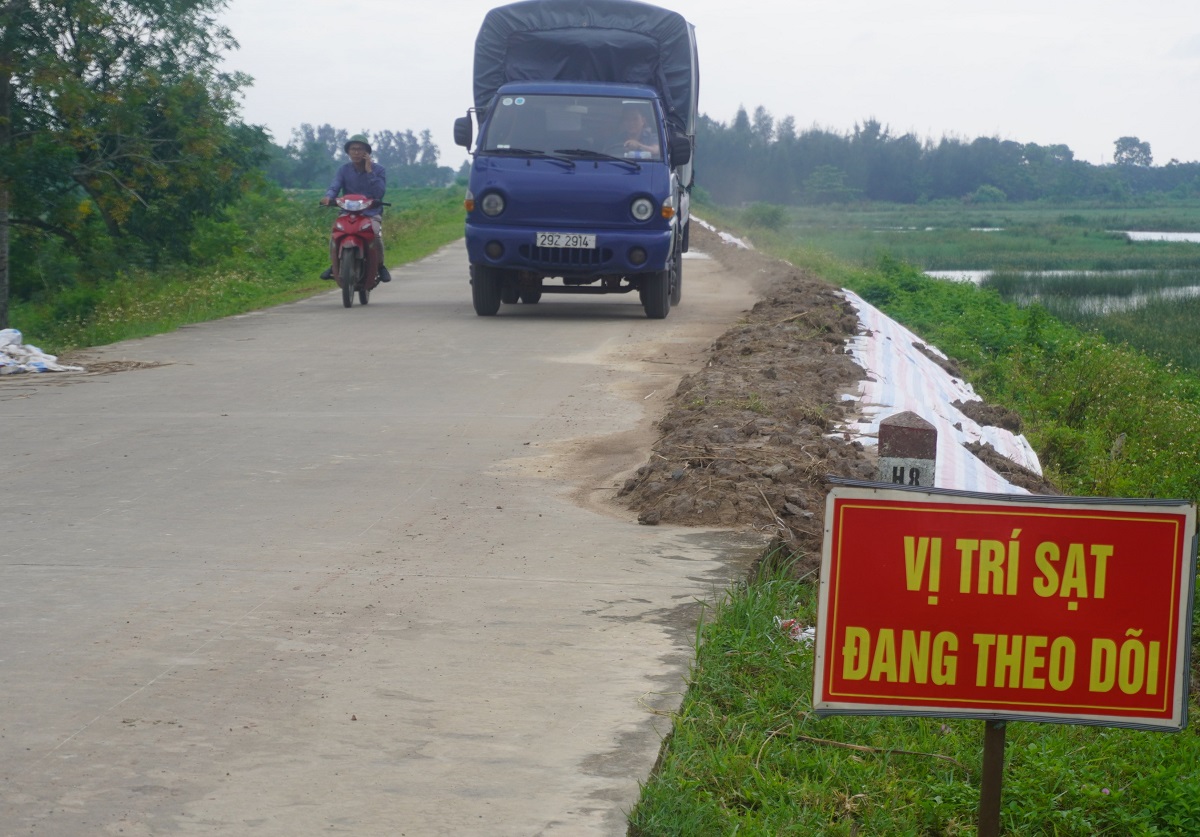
(1097, 304)
(1193, 237)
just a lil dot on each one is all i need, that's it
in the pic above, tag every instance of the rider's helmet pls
(362, 138)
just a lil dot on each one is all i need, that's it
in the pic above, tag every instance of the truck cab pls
(582, 167)
(577, 182)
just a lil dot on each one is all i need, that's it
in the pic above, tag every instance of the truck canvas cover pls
(591, 40)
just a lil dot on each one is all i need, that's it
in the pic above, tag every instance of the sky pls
(1078, 72)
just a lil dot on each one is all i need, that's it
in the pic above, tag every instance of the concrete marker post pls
(907, 450)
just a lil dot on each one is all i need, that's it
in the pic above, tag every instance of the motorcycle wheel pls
(348, 274)
(364, 292)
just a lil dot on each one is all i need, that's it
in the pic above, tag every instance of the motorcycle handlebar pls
(333, 203)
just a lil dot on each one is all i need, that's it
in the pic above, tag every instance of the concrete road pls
(328, 571)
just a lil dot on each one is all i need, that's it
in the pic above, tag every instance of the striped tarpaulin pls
(901, 378)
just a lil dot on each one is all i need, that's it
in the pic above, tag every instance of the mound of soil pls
(748, 441)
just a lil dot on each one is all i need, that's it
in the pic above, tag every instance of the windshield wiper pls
(597, 155)
(532, 152)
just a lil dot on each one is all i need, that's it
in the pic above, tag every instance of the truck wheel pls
(509, 294)
(656, 294)
(677, 278)
(485, 290)
(531, 296)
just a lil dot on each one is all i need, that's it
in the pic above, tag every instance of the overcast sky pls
(1079, 72)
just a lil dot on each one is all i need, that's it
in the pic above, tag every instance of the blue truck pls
(582, 168)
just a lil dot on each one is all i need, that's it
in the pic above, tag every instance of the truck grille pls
(566, 256)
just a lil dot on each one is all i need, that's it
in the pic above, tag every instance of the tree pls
(1130, 151)
(763, 126)
(115, 109)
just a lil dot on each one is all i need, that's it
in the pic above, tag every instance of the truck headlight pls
(492, 204)
(642, 209)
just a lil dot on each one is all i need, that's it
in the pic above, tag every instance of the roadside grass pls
(268, 249)
(747, 757)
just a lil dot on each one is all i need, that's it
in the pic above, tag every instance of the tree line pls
(313, 154)
(755, 158)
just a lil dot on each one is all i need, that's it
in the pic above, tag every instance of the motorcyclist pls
(359, 177)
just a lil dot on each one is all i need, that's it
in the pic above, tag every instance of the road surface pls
(325, 571)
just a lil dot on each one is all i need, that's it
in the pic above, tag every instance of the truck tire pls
(485, 290)
(656, 294)
(509, 294)
(677, 278)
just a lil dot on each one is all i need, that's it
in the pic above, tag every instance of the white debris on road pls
(16, 357)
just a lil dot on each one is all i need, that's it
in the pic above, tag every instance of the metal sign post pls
(992, 781)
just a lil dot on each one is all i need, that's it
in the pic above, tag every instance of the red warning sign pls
(1027, 608)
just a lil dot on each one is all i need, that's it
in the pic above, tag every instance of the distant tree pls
(741, 123)
(763, 126)
(785, 131)
(1130, 151)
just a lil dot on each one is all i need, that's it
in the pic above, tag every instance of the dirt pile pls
(748, 441)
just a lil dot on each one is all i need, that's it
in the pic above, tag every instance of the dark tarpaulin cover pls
(590, 40)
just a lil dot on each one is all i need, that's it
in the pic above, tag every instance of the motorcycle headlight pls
(492, 204)
(642, 209)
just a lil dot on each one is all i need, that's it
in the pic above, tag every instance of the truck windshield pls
(587, 126)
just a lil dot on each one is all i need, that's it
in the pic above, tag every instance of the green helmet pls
(357, 138)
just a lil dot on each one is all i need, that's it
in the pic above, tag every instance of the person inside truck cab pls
(636, 137)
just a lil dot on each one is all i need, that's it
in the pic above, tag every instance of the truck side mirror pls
(463, 130)
(680, 147)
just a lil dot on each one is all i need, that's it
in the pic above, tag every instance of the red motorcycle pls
(356, 267)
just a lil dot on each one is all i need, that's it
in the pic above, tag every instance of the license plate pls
(574, 241)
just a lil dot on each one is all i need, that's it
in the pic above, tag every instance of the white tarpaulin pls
(17, 357)
(902, 378)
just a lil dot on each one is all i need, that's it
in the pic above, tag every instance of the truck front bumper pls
(617, 252)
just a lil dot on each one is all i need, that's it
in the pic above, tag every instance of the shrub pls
(766, 216)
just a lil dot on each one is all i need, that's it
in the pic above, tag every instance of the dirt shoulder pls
(748, 441)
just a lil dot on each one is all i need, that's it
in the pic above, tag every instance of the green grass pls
(269, 249)
(746, 756)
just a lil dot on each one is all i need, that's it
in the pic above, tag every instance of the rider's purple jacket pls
(350, 181)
